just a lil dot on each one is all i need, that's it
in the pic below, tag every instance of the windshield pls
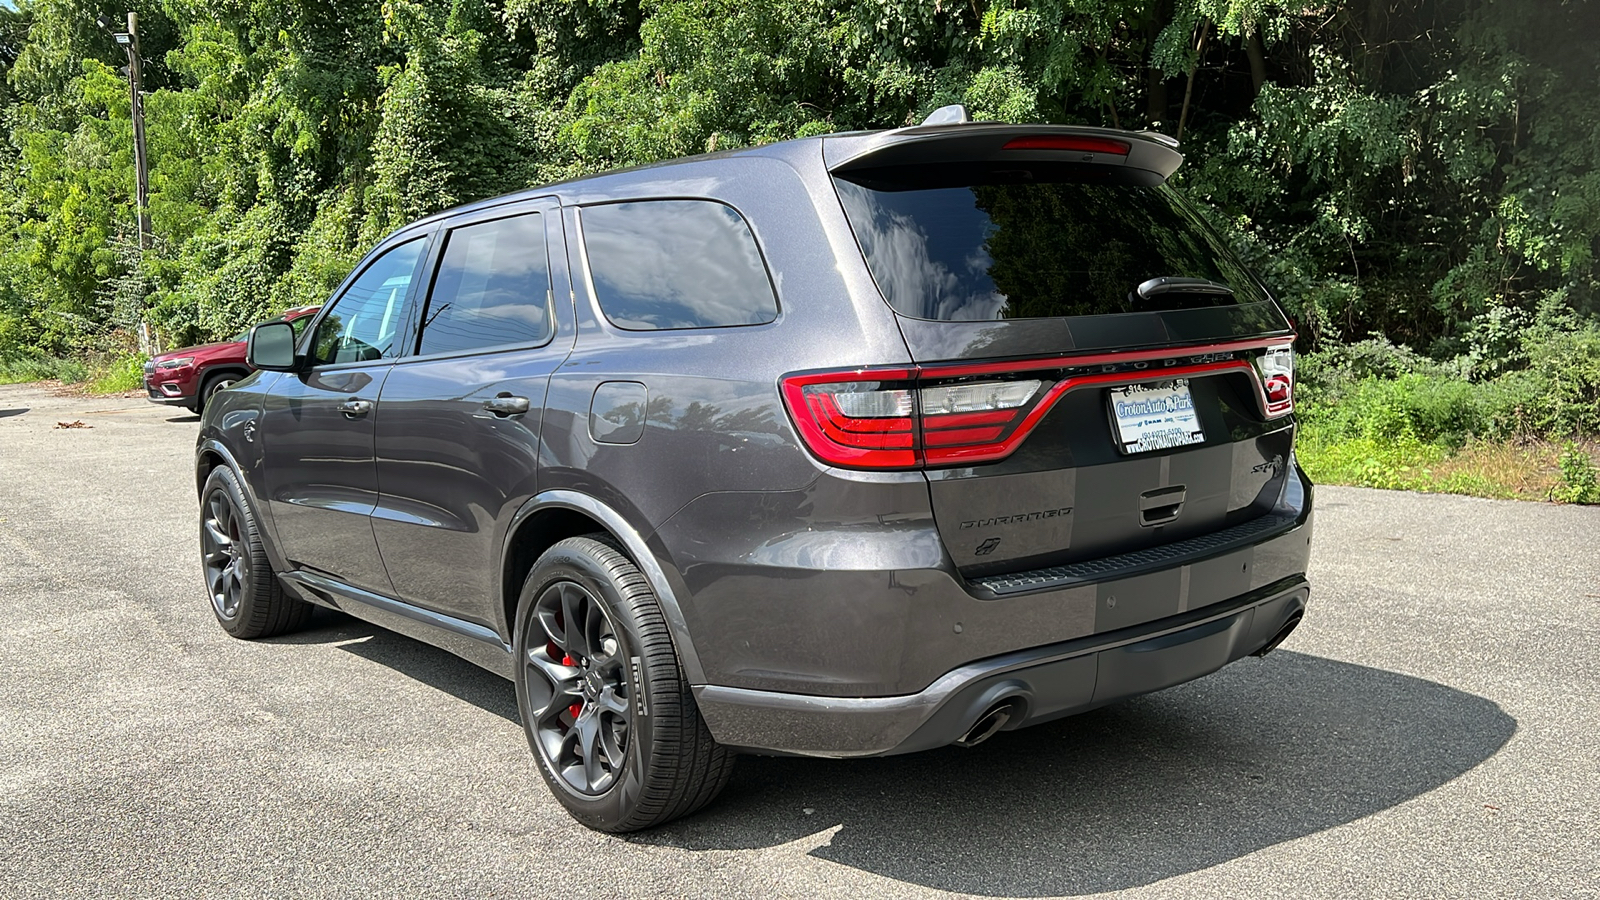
(978, 243)
(298, 323)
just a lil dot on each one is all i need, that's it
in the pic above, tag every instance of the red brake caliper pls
(567, 660)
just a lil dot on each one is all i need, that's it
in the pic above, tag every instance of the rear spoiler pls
(998, 142)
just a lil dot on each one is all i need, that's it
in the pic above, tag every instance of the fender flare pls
(263, 515)
(636, 546)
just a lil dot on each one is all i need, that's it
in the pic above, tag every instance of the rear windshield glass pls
(976, 243)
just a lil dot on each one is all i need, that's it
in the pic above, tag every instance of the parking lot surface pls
(1432, 730)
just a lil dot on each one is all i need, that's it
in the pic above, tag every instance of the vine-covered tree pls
(1421, 171)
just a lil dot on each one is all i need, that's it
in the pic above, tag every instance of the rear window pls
(662, 264)
(974, 243)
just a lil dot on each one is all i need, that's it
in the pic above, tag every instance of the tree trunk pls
(1258, 60)
(1188, 90)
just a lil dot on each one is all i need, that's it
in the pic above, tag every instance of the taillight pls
(862, 420)
(970, 421)
(883, 419)
(952, 414)
(1276, 367)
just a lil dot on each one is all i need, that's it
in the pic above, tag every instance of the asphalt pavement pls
(1432, 730)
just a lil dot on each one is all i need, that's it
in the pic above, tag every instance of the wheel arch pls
(554, 516)
(211, 455)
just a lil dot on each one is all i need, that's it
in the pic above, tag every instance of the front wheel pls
(245, 594)
(607, 710)
(213, 384)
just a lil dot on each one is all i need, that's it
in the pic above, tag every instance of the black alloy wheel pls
(578, 680)
(246, 596)
(222, 554)
(608, 712)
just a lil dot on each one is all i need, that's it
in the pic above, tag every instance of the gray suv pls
(853, 445)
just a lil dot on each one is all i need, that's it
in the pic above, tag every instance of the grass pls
(1499, 469)
(100, 374)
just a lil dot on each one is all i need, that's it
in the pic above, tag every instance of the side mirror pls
(271, 347)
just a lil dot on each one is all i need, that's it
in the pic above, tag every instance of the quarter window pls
(362, 324)
(493, 287)
(663, 264)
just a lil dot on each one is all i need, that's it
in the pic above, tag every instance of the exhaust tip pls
(992, 720)
(1280, 637)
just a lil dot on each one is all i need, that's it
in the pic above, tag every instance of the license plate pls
(1155, 416)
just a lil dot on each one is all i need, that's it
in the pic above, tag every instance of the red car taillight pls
(946, 415)
(1276, 369)
(886, 419)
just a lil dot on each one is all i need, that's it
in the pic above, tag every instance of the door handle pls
(355, 409)
(504, 405)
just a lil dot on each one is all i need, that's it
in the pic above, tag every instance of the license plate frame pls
(1154, 416)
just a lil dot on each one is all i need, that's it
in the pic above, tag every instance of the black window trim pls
(405, 330)
(545, 207)
(594, 297)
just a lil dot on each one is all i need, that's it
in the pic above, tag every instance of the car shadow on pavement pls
(190, 417)
(1260, 753)
(4, 413)
(436, 668)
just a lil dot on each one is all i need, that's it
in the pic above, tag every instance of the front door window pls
(362, 325)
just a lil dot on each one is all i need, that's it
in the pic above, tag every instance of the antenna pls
(948, 115)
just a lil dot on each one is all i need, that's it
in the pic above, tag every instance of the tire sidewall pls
(610, 810)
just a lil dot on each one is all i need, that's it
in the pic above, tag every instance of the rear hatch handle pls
(1160, 506)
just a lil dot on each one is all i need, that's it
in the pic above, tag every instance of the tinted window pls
(493, 287)
(676, 264)
(363, 322)
(975, 244)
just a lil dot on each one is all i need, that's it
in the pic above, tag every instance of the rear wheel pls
(607, 710)
(245, 594)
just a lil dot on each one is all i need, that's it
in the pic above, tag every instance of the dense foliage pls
(1423, 173)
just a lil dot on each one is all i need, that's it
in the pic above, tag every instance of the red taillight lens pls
(886, 420)
(861, 420)
(1076, 143)
(1276, 367)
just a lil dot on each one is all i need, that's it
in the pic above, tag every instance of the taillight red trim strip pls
(824, 438)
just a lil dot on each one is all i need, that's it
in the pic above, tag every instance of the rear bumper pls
(1037, 685)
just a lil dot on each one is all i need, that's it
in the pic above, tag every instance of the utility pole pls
(129, 41)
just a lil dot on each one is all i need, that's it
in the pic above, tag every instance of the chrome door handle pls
(506, 405)
(355, 409)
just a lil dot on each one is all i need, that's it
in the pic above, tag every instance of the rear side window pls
(493, 287)
(662, 264)
(974, 243)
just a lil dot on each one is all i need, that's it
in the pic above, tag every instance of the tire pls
(220, 381)
(246, 596)
(651, 758)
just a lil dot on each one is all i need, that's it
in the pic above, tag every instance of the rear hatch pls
(1095, 373)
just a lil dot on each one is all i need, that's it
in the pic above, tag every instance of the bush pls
(1579, 481)
(119, 375)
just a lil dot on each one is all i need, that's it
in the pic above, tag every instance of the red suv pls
(188, 377)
